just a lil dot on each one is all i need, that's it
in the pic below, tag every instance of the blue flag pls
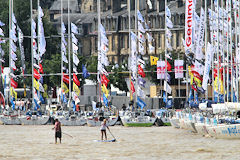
(85, 72)
(105, 100)
(36, 104)
(41, 98)
(190, 96)
(234, 97)
(141, 103)
(164, 97)
(215, 97)
(169, 103)
(221, 98)
(13, 105)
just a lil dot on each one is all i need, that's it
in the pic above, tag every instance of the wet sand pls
(37, 142)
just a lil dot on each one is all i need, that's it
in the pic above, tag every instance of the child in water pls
(103, 128)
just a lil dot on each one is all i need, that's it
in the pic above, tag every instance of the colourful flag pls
(105, 100)
(105, 90)
(65, 88)
(65, 78)
(153, 60)
(14, 84)
(141, 103)
(36, 74)
(76, 89)
(140, 71)
(104, 80)
(75, 79)
(85, 72)
(132, 87)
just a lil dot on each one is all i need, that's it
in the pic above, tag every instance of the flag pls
(105, 100)
(140, 71)
(76, 89)
(74, 39)
(45, 95)
(141, 82)
(13, 93)
(41, 98)
(168, 12)
(65, 88)
(169, 103)
(140, 93)
(1, 24)
(37, 106)
(35, 84)
(85, 72)
(102, 29)
(169, 23)
(105, 90)
(65, 78)
(140, 17)
(164, 97)
(167, 87)
(178, 68)
(94, 106)
(153, 60)
(132, 87)
(149, 37)
(13, 104)
(140, 27)
(40, 68)
(74, 28)
(25, 91)
(104, 80)
(151, 48)
(169, 67)
(75, 79)
(14, 84)
(141, 103)
(36, 74)
(75, 59)
(74, 106)
(149, 4)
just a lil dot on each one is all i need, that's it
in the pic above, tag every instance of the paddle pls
(112, 135)
(67, 134)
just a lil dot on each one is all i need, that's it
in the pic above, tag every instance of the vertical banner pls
(188, 24)
(208, 61)
(200, 42)
(178, 68)
(161, 69)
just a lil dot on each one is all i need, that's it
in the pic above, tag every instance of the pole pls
(223, 52)
(179, 92)
(227, 3)
(231, 54)
(165, 51)
(213, 55)
(99, 43)
(218, 65)
(38, 37)
(236, 44)
(205, 7)
(10, 41)
(62, 36)
(129, 35)
(69, 54)
(32, 49)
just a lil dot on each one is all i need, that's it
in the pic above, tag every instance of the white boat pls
(10, 118)
(175, 122)
(33, 120)
(93, 121)
(75, 119)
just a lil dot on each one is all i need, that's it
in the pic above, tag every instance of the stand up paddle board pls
(112, 140)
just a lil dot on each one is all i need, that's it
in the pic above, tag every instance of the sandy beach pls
(37, 142)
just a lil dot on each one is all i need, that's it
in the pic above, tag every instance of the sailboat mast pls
(32, 49)
(218, 65)
(166, 52)
(62, 36)
(10, 41)
(231, 54)
(205, 8)
(99, 45)
(69, 54)
(223, 51)
(129, 36)
(212, 41)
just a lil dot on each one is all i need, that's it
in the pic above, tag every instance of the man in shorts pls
(58, 131)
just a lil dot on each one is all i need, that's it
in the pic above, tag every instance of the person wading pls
(58, 131)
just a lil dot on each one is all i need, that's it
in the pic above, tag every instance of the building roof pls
(72, 3)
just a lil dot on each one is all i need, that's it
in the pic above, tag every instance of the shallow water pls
(37, 142)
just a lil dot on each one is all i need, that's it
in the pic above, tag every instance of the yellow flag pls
(76, 89)
(35, 84)
(13, 93)
(65, 88)
(153, 60)
(25, 92)
(105, 90)
(216, 85)
(45, 95)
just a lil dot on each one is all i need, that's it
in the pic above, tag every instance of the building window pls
(90, 8)
(177, 39)
(113, 43)
(96, 44)
(114, 24)
(127, 41)
(157, 22)
(159, 40)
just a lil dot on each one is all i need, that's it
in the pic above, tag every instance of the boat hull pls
(10, 120)
(34, 120)
(175, 122)
(130, 123)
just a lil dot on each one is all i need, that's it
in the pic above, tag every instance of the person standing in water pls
(58, 131)
(103, 128)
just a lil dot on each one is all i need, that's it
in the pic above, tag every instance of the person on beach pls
(58, 131)
(103, 129)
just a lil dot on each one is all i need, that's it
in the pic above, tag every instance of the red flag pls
(140, 71)
(104, 80)
(14, 84)
(169, 67)
(132, 87)
(2, 67)
(75, 79)
(36, 74)
(65, 78)
(40, 68)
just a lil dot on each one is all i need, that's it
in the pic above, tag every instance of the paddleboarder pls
(58, 131)
(103, 128)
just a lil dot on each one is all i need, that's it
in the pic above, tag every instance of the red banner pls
(36, 74)
(140, 71)
(40, 68)
(75, 79)
(65, 78)
(14, 84)
(104, 80)
(132, 87)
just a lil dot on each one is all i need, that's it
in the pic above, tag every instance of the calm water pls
(37, 142)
